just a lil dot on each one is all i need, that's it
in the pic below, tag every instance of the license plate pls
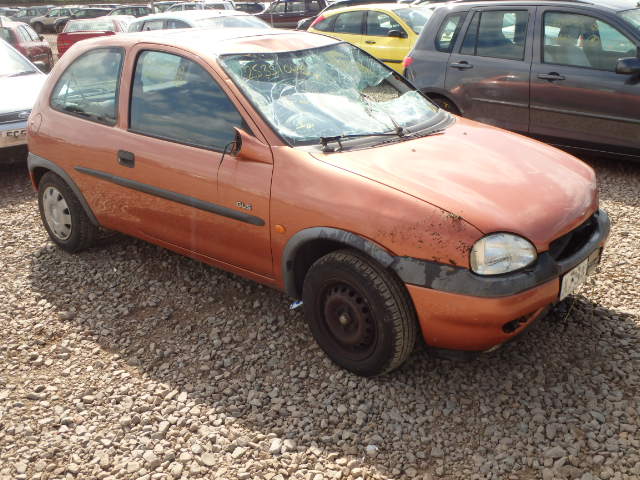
(13, 137)
(573, 279)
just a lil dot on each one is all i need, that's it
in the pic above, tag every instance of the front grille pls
(13, 117)
(571, 242)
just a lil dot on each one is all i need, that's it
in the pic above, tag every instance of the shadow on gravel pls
(15, 185)
(238, 349)
(615, 172)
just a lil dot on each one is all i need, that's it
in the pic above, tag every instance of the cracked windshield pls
(333, 91)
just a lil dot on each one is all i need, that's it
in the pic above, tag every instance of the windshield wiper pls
(25, 72)
(324, 141)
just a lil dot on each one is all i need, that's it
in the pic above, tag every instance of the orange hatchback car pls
(304, 163)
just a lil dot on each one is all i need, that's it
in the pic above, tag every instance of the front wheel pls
(359, 313)
(63, 216)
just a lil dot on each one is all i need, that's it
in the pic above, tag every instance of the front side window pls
(88, 88)
(497, 34)
(446, 36)
(337, 90)
(176, 24)
(380, 24)
(326, 24)
(175, 99)
(349, 22)
(153, 25)
(583, 41)
(24, 35)
(5, 34)
(54, 13)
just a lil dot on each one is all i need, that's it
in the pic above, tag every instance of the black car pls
(81, 14)
(565, 72)
(305, 23)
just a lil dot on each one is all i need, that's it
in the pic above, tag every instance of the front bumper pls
(460, 310)
(13, 134)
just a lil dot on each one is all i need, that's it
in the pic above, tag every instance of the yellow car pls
(385, 30)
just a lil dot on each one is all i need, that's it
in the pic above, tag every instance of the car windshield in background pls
(332, 91)
(12, 64)
(106, 26)
(633, 17)
(232, 22)
(416, 18)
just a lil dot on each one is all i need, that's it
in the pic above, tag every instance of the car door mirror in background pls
(628, 66)
(397, 34)
(249, 148)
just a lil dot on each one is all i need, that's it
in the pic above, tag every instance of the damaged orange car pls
(303, 163)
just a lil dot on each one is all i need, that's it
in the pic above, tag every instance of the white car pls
(197, 19)
(20, 84)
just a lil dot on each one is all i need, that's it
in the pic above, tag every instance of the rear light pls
(317, 20)
(406, 63)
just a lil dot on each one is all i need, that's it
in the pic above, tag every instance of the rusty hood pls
(495, 180)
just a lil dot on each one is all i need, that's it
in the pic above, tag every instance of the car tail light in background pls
(317, 20)
(406, 63)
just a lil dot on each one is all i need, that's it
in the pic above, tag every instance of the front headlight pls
(501, 253)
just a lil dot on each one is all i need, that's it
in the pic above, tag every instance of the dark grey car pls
(565, 72)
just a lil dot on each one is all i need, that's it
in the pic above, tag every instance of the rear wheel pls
(445, 104)
(63, 216)
(359, 313)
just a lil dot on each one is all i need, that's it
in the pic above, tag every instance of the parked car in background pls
(197, 19)
(24, 39)
(250, 7)
(179, 7)
(105, 5)
(132, 10)
(565, 72)
(387, 31)
(408, 217)
(81, 13)
(27, 14)
(287, 13)
(20, 83)
(162, 6)
(305, 23)
(46, 22)
(77, 30)
(7, 11)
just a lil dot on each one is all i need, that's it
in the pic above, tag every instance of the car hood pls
(20, 93)
(493, 179)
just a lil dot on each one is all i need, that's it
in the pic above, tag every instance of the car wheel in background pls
(359, 313)
(63, 216)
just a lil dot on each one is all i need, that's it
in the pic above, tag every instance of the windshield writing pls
(336, 90)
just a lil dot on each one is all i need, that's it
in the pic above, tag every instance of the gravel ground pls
(128, 361)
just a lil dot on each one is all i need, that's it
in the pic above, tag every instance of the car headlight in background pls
(501, 253)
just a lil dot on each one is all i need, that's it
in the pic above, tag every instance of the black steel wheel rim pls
(348, 319)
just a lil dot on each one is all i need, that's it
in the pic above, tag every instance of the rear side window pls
(174, 98)
(349, 22)
(497, 34)
(88, 88)
(446, 37)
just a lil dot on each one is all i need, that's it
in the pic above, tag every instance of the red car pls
(76, 30)
(24, 39)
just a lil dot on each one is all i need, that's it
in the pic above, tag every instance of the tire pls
(38, 27)
(359, 313)
(445, 104)
(63, 216)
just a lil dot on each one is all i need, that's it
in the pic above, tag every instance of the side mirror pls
(249, 148)
(41, 66)
(41, 37)
(628, 66)
(397, 34)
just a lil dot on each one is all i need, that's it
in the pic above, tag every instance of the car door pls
(386, 39)
(577, 98)
(188, 189)
(488, 73)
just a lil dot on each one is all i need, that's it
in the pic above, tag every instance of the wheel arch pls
(308, 245)
(38, 166)
(437, 94)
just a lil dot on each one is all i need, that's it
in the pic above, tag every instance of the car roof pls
(192, 14)
(613, 5)
(211, 43)
(375, 6)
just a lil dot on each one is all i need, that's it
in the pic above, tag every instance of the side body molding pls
(348, 239)
(35, 161)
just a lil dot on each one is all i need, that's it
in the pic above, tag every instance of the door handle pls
(463, 65)
(370, 42)
(551, 76)
(126, 159)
